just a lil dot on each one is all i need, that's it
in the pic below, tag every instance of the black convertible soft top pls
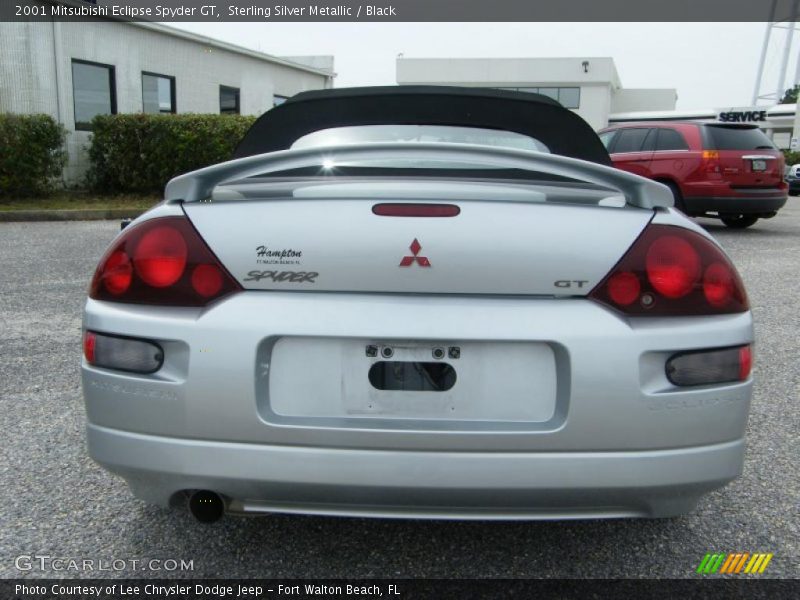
(534, 115)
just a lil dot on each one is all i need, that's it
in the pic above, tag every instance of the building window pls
(550, 92)
(93, 92)
(228, 100)
(568, 97)
(158, 93)
(278, 100)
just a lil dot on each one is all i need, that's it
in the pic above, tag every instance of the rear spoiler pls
(638, 191)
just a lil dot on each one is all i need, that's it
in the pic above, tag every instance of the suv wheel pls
(738, 221)
(676, 195)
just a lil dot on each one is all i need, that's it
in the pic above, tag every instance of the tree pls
(790, 96)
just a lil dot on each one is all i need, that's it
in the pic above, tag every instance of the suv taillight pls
(711, 161)
(672, 271)
(161, 261)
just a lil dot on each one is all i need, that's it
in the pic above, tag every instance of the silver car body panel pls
(492, 247)
(562, 408)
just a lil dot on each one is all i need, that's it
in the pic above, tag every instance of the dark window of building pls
(158, 93)
(550, 92)
(670, 139)
(228, 100)
(93, 92)
(278, 100)
(631, 140)
(569, 97)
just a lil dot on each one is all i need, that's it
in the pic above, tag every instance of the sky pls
(712, 65)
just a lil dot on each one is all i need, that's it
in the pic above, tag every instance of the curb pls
(9, 216)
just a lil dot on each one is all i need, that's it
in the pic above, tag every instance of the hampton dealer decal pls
(285, 256)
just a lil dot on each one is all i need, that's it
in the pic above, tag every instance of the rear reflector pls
(745, 362)
(89, 339)
(710, 366)
(415, 210)
(121, 353)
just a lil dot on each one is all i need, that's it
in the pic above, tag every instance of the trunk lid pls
(547, 240)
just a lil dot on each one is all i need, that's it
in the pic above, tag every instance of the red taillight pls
(673, 271)
(162, 261)
(711, 161)
(207, 280)
(624, 288)
(118, 272)
(673, 266)
(160, 256)
(718, 285)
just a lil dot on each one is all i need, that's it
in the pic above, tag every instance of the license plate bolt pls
(371, 351)
(454, 352)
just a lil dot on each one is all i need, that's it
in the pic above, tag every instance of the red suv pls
(732, 172)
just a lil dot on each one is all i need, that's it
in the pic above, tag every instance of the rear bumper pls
(750, 205)
(618, 439)
(257, 478)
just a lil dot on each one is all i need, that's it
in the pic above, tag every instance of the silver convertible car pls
(418, 302)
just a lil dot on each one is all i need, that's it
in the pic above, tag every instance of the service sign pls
(751, 114)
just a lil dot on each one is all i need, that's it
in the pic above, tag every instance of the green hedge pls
(141, 153)
(792, 158)
(32, 154)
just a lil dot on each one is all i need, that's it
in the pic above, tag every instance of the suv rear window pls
(721, 137)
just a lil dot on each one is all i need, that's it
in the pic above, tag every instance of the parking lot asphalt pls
(57, 502)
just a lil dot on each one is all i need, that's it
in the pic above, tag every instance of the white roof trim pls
(207, 41)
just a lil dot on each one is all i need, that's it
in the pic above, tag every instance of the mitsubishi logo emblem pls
(422, 261)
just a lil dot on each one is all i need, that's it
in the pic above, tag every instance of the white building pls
(588, 85)
(592, 88)
(76, 70)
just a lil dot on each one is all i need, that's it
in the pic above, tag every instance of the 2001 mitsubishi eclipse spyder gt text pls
(414, 301)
